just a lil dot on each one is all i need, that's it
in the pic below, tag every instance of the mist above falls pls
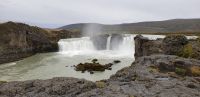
(92, 29)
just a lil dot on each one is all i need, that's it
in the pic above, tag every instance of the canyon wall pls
(19, 40)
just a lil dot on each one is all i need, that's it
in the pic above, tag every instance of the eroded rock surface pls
(141, 80)
(56, 87)
(171, 45)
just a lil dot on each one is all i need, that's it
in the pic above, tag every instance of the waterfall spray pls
(108, 42)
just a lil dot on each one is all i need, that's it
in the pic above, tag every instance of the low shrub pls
(100, 84)
(195, 70)
(187, 51)
(180, 71)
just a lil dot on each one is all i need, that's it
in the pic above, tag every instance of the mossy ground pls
(180, 71)
(100, 84)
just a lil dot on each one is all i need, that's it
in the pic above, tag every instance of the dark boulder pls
(116, 61)
(94, 60)
(92, 67)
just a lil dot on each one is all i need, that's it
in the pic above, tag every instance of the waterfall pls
(128, 44)
(108, 42)
(76, 45)
(85, 46)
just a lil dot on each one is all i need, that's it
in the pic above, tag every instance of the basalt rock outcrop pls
(19, 40)
(57, 34)
(171, 45)
(145, 47)
(148, 76)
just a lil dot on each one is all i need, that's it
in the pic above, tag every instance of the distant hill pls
(174, 25)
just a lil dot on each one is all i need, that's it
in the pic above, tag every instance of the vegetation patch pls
(1, 82)
(153, 69)
(180, 71)
(195, 70)
(187, 51)
(190, 50)
(100, 84)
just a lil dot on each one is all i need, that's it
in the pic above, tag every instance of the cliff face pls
(19, 40)
(145, 47)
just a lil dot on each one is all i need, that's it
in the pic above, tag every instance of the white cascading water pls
(76, 45)
(128, 44)
(108, 42)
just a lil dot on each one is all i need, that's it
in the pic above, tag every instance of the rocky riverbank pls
(148, 76)
(153, 74)
(20, 40)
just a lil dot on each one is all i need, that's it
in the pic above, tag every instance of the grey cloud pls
(54, 13)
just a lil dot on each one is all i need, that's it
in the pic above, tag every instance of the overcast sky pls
(55, 13)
